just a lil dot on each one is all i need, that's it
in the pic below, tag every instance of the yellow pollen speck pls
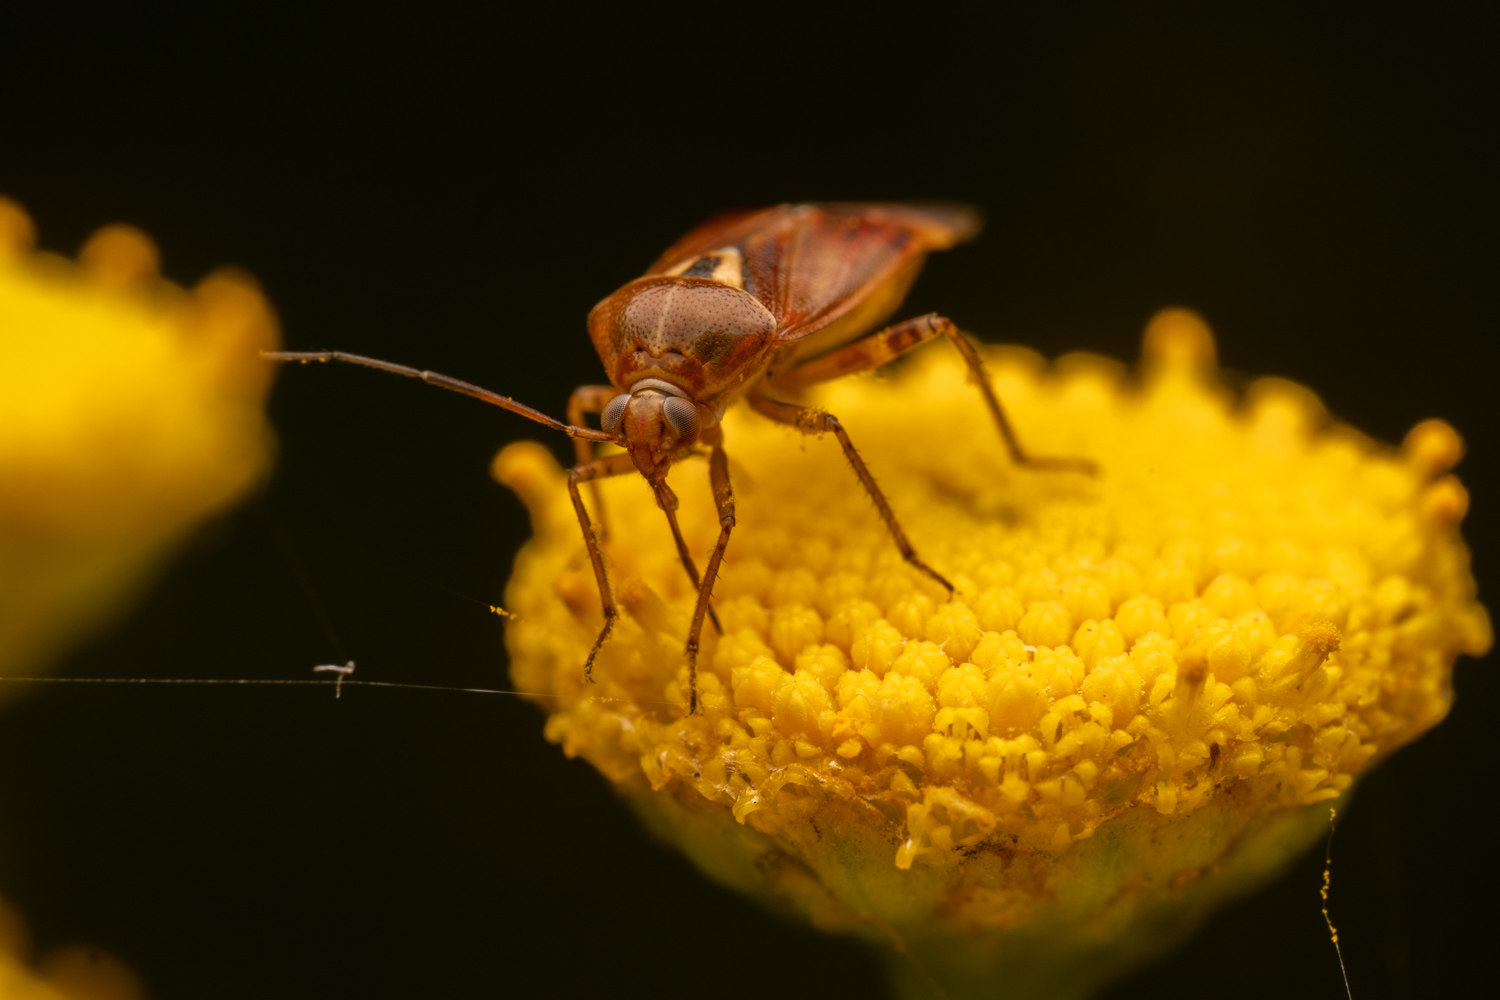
(1132, 707)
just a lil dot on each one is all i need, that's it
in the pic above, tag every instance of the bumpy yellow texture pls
(130, 411)
(1248, 601)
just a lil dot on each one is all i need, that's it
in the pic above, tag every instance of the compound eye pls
(614, 412)
(681, 416)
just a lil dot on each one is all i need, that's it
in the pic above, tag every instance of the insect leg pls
(614, 465)
(591, 399)
(687, 562)
(865, 354)
(718, 474)
(871, 352)
(809, 420)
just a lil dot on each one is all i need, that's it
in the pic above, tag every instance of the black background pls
(455, 191)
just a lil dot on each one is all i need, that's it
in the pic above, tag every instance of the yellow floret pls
(1145, 686)
(130, 411)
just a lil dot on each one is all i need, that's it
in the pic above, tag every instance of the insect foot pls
(1145, 695)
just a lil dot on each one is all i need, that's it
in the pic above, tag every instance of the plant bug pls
(754, 304)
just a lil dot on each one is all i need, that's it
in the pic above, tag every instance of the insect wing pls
(828, 260)
(728, 229)
(826, 272)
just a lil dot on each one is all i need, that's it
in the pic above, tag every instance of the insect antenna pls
(443, 382)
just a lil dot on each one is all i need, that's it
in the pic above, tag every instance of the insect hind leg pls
(869, 353)
(809, 420)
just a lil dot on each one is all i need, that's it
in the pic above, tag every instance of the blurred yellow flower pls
(131, 410)
(73, 973)
(1140, 702)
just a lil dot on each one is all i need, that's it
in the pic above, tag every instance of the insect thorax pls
(700, 333)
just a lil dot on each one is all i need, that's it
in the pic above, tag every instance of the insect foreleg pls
(869, 353)
(591, 399)
(614, 465)
(718, 474)
(444, 382)
(813, 421)
(687, 562)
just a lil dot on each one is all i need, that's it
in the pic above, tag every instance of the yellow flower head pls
(130, 411)
(1145, 685)
(76, 972)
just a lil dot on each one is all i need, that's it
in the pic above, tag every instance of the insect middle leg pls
(810, 420)
(869, 353)
(613, 465)
(718, 474)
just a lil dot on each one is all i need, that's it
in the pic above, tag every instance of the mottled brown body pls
(750, 295)
(753, 304)
(702, 335)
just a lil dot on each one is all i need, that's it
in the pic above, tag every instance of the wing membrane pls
(725, 230)
(832, 269)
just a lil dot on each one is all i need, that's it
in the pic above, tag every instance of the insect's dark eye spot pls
(614, 412)
(681, 416)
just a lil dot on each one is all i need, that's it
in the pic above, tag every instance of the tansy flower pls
(69, 973)
(1145, 694)
(130, 411)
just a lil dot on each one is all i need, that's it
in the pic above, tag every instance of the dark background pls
(456, 192)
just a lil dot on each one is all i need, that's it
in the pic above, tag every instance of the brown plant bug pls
(751, 304)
